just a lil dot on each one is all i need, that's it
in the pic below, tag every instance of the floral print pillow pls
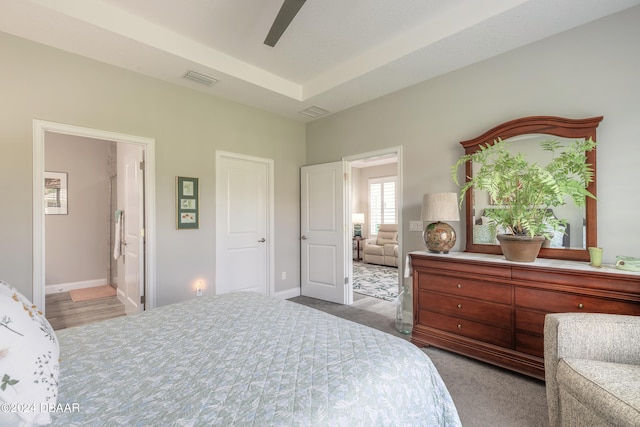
(29, 359)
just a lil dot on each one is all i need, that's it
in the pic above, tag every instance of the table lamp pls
(357, 219)
(438, 236)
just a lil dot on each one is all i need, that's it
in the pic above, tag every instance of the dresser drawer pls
(457, 306)
(561, 302)
(530, 321)
(437, 263)
(530, 344)
(466, 328)
(463, 287)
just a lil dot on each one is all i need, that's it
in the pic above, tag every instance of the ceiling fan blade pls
(287, 12)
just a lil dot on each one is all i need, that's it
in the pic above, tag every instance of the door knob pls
(261, 240)
(303, 237)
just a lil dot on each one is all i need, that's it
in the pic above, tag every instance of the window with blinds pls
(382, 203)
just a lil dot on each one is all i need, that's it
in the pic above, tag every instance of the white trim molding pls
(66, 287)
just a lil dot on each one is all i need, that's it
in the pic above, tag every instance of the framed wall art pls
(187, 203)
(55, 193)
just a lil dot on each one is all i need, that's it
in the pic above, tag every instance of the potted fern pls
(524, 192)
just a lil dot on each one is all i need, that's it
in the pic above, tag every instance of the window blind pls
(382, 203)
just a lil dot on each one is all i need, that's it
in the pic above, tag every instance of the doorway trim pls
(40, 127)
(382, 152)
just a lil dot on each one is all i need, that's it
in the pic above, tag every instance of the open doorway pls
(76, 248)
(81, 274)
(376, 183)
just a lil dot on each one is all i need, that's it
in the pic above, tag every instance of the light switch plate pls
(415, 226)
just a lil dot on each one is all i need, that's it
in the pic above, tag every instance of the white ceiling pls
(334, 55)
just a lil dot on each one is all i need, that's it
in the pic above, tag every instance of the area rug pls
(377, 281)
(95, 292)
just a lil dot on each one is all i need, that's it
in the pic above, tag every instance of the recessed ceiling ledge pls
(116, 21)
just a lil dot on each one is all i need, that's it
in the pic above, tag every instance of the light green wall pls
(589, 71)
(188, 127)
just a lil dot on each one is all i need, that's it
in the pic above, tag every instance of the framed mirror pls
(524, 135)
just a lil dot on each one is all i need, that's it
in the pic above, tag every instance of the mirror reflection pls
(571, 235)
(582, 224)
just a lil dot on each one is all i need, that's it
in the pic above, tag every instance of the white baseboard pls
(289, 293)
(66, 287)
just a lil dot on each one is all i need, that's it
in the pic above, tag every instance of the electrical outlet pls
(284, 275)
(415, 225)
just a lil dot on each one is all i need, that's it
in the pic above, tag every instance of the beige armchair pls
(592, 369)
(382, 249)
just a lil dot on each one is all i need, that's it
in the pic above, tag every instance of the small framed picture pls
(55, 193)
(187, 201)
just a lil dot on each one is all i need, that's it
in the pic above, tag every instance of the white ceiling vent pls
(314, 111)
(200, 78)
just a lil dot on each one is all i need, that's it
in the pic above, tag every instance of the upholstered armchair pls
(592, 369)
(382, 249)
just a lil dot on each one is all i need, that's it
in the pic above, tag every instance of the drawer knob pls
(459, 326)
(459, 305)
(581, 306)
(459, 286)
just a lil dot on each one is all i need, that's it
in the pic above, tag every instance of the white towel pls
(407, 267)
(117, 246)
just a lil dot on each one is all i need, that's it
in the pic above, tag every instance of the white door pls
(242, 223)
(324, 233)
(131, 289)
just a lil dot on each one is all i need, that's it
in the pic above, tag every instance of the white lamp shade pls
(440, 207)
(357, 218)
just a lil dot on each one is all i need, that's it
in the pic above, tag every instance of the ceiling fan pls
(287, 12)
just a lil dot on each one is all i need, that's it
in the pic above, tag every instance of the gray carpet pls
(484, 394)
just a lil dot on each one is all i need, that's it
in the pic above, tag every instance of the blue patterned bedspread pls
(248, 360)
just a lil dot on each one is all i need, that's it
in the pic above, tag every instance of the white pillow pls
(29, 359)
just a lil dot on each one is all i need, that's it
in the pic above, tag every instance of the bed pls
(243, 359)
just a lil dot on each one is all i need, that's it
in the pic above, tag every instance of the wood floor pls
(62, 312)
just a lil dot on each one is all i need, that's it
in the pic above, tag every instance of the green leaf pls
(6, 380)
(524, 191)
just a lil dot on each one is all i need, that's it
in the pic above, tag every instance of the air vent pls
(200, 78)
(314, 111)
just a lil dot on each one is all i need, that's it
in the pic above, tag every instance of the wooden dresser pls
(485, 307)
